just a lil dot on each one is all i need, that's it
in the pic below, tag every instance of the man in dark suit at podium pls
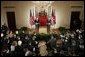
(48, 25)
(37, 25)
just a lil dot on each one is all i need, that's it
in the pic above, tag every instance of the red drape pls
(43, 20)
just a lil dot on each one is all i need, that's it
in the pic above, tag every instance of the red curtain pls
(43, 20)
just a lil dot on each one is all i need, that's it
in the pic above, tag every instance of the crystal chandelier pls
(42, 4)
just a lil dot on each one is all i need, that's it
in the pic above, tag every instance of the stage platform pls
(43, 30)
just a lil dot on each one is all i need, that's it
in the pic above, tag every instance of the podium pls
(48, 27)
(37, 27)
(45, 29)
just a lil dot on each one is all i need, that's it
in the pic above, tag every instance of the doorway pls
(11, 20)
(75, 20)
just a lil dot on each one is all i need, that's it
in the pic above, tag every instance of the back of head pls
(14, 43)
(19, 43)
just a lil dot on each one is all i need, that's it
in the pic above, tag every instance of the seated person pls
(42, 48)
(28, 52)
(4, 29)
(19, 51)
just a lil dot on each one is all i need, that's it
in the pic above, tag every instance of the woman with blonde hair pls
(42, 48)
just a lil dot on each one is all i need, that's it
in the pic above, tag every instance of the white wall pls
(22, 10)
(63, 12)
(4, 10)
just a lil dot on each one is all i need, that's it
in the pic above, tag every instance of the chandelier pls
(42, 4)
